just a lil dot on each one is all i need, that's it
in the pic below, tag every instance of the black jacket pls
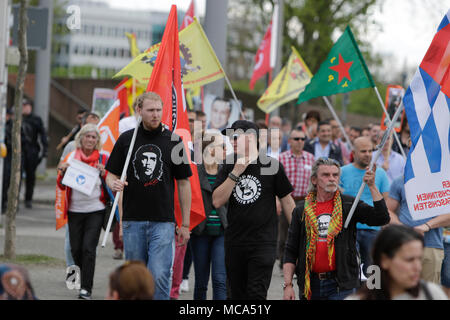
(32, 129)
(207, 192)
(335, 151)
(347, 266)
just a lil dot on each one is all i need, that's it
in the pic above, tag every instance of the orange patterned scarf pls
(312, 232)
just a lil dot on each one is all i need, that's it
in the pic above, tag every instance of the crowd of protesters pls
(270, 191)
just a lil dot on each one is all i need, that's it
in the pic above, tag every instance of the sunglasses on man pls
(299, 138)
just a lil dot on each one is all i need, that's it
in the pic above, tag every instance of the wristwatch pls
(233, 177)
(285, 285)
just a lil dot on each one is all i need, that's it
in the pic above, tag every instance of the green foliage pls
(32, 259)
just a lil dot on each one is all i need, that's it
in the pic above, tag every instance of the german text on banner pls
(166, 81)
(427, 107)
(287, 85)
(344, 70)
(199, 64)
(262, 58)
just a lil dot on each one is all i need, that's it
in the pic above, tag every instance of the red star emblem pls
(342, 69)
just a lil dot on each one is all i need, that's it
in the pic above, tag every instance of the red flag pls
(188, 17)
(122, 95)
(166, 81)
(262, 58)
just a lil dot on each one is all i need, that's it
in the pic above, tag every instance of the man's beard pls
(331, 187)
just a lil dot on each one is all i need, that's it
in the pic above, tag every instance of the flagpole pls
(389, 120)
(374, 160)
(327, 102)
(234, 95)
(122, 178)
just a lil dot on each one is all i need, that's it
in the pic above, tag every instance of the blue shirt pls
(433, 238)
(320, 152)
(351, 180)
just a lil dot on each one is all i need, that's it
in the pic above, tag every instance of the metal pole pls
(327, 102)
(279, 45)
(216, 31)
(389, 121)
(374, 160)
(42, 79)
(122, 178)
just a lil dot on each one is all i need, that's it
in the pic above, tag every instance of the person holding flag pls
(319, 249)
(148, 233)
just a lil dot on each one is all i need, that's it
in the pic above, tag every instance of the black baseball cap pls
(243, 125)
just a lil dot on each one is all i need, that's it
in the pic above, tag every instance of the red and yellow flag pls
(166, 81)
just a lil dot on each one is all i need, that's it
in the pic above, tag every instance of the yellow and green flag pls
(199, 64)
(287, 85)
(344, 70)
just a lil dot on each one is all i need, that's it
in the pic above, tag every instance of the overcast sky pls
(408, 26)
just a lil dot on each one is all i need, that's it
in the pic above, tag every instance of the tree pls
(13, 192)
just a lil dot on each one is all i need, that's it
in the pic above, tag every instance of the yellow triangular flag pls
(287, 85)
(199, 64)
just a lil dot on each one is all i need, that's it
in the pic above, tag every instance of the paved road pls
(36, 235)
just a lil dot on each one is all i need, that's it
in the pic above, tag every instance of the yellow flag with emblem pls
(287, 85)
(199, 63)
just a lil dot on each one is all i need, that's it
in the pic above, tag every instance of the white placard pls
(81, 177)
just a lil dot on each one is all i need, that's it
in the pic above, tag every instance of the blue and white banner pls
(427, 107)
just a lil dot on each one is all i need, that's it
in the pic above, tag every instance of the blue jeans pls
(327, 290)
(208, 253)
(364, 242)
(154, 244)
(67, 249)
(445, 272)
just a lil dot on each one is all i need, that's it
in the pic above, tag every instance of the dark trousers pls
(30, 161)
(249, 271)
(187, 261)
(84, 232)
(283, 227)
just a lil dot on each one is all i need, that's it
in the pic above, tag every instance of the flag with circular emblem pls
(344, 70)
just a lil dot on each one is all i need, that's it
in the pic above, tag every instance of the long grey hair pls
(315, 168)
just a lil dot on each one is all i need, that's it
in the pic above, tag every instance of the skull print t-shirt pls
(321, 261)
(251, 212)
(155, 162)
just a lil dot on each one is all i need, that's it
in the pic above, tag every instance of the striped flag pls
(427, 107)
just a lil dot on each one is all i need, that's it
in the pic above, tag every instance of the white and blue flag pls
(427, 107)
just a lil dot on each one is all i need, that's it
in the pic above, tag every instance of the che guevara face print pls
(148, 164)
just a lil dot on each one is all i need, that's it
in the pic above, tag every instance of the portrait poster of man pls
(394, 96)
(102, 100)
(220, 113)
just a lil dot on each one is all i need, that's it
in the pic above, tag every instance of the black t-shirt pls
(149, 195)
(252, 216)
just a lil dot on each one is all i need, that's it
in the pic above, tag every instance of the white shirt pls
(82, 203)
(320, 152)
(396, 165)
(127, 123)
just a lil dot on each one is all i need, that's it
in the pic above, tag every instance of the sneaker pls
(118, 254)
(85, 295)
(184, 286)
(28, 204)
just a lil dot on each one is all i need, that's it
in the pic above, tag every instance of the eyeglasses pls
(299, 138)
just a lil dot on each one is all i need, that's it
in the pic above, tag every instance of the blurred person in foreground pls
(15, 283)
(131, 281)
(398, 252)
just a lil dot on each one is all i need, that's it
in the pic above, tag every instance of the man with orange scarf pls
(319, 250)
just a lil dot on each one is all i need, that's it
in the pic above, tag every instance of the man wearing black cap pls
(32, 129)
(250, 184)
